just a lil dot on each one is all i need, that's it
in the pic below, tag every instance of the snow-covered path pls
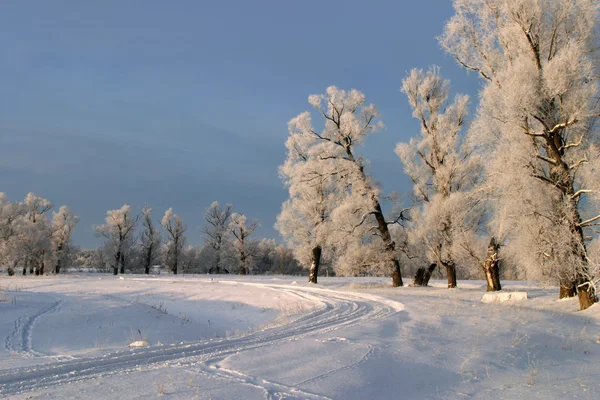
(273, 338)
(335, 310)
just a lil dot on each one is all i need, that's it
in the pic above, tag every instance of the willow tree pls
(348, 120)
(536, 123)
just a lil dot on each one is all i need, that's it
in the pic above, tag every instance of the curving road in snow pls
(335, 310)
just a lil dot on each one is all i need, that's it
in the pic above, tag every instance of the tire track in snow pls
(22, 332)
(339, 309)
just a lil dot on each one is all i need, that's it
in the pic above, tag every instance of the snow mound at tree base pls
(501, 297)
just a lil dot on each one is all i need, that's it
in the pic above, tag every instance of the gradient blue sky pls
(180, 103)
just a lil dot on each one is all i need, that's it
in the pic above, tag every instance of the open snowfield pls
(222, 337)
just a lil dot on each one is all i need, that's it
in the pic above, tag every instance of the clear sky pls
(180, 103)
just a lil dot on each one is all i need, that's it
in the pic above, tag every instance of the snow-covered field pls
(228, 337)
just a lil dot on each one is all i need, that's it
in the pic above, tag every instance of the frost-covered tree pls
(536, 123)
(440, 168)
(149, 241)
(176, 240)
(241, 231)
(63, 224)
(304, 221)
(216, 231)
(36, 207)
(119, 231)
(348, 121)
(10, 215)
(34, 233)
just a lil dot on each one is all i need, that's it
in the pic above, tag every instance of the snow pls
(229, 337)
(500, 297)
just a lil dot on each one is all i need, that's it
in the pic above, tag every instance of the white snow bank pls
(501, 297)
(139, 343)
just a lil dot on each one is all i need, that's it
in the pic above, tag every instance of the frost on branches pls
(442, 170)
(119, 234)
(536, 125)
(149, 241)
(331, 154)
(241, 232)
(216, 233)
(315, 190)
(176, 240)
(29, 240)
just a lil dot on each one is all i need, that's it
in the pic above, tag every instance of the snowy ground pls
(221, 337)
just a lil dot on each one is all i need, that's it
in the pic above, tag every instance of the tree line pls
(135, 243)
(516, 191)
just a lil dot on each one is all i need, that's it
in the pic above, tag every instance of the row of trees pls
(30, 240)
(521, 177)
(228, 247)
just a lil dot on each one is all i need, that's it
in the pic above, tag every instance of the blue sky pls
(177, 104)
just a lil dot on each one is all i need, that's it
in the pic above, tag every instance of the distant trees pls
(176, 240)
(241, 232)
(216, 232)
(149, 241)
(63, 224)
(119, 235)
(27, 238)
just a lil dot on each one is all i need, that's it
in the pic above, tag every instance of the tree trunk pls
(451, 274)
(217, 269)
(567, 289)
(147, 262)
(57, 267)
(117, 261)
(42, 268)
(587, 295)
(122, 263)
(314, 266)
(11, 271)
(428, 274)
(491, 267)
(24, 271)
(30, 269)
(392, 261)
(423, 275)
(397, 274)
(37, 270)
